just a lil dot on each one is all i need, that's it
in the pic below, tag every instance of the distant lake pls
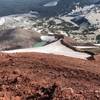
(8, 7)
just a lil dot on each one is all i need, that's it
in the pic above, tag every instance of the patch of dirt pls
(35, 76)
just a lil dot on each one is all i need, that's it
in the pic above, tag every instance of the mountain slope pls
(34, 76)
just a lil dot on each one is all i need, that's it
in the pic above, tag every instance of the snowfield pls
(54, 48)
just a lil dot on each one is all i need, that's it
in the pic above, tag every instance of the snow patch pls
(54, 48)
(68, 19)
(50, 4)
(48, 38)
(2, 20)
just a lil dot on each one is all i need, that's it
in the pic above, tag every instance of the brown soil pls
(34, 76)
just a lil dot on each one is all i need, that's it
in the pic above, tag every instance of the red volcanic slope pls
(34, 76)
